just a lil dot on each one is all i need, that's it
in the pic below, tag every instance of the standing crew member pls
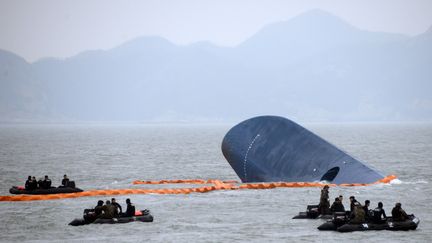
(324, 205)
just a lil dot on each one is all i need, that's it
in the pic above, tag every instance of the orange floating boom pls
(217, 185)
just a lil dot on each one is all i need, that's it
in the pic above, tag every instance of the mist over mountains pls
(314, 67)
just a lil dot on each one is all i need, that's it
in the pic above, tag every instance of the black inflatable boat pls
(341, 225)
(52, 190)
(338, 219)
(142, 216)
(312, 213)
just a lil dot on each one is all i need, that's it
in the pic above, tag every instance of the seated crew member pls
(97, 212)
(130, 210)
(377, 213)
(341, 200)
(40, 183)
(352, 202)
(98, 208)
(324, 205)
(366, 209)
(398, 213)
(118, 207)
(65, 181)
(33, 183)
(109, 210)
(337, 206)
(358, 216)
(46, 183)
(27, 183)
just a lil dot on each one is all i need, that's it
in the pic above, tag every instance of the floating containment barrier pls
(217, 185)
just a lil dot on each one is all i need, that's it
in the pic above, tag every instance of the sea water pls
(112, 156)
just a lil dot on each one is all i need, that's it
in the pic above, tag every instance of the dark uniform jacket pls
(337, 207)
(109, 211)
(399, 214)
(46, 184)
(352, 206)
(27, 184)
(118, 207)
(98, 210)
(377, 213)
(65, 182)
(130, 211)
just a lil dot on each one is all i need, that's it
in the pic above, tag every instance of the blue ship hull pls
(271, 148)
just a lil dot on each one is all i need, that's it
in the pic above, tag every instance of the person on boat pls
(398, 213)
(98, 209)
(337, 206)
(65, 181)
(91, 216)
(358, 216)
(109, 210)
(352, 203)
(324, 205)
(130, 210)
(379, 215)
(27, 183)
(366, 209)
(33, 183)
(341, 199)
(46, 183)
(117, 205)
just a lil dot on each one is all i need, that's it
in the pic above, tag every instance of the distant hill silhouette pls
(314, 67)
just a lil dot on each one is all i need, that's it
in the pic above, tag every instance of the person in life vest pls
(118, 207)
(358, 216)
(109, 210)
(379, 215)
(324, 205)
(398, 213)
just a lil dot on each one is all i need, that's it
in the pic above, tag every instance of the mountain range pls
(313, 67)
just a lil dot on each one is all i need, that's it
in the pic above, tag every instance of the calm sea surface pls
(112, 156)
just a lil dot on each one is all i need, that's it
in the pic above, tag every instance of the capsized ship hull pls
(271, 148)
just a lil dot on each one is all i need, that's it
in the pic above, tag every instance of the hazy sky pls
(55, 28)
